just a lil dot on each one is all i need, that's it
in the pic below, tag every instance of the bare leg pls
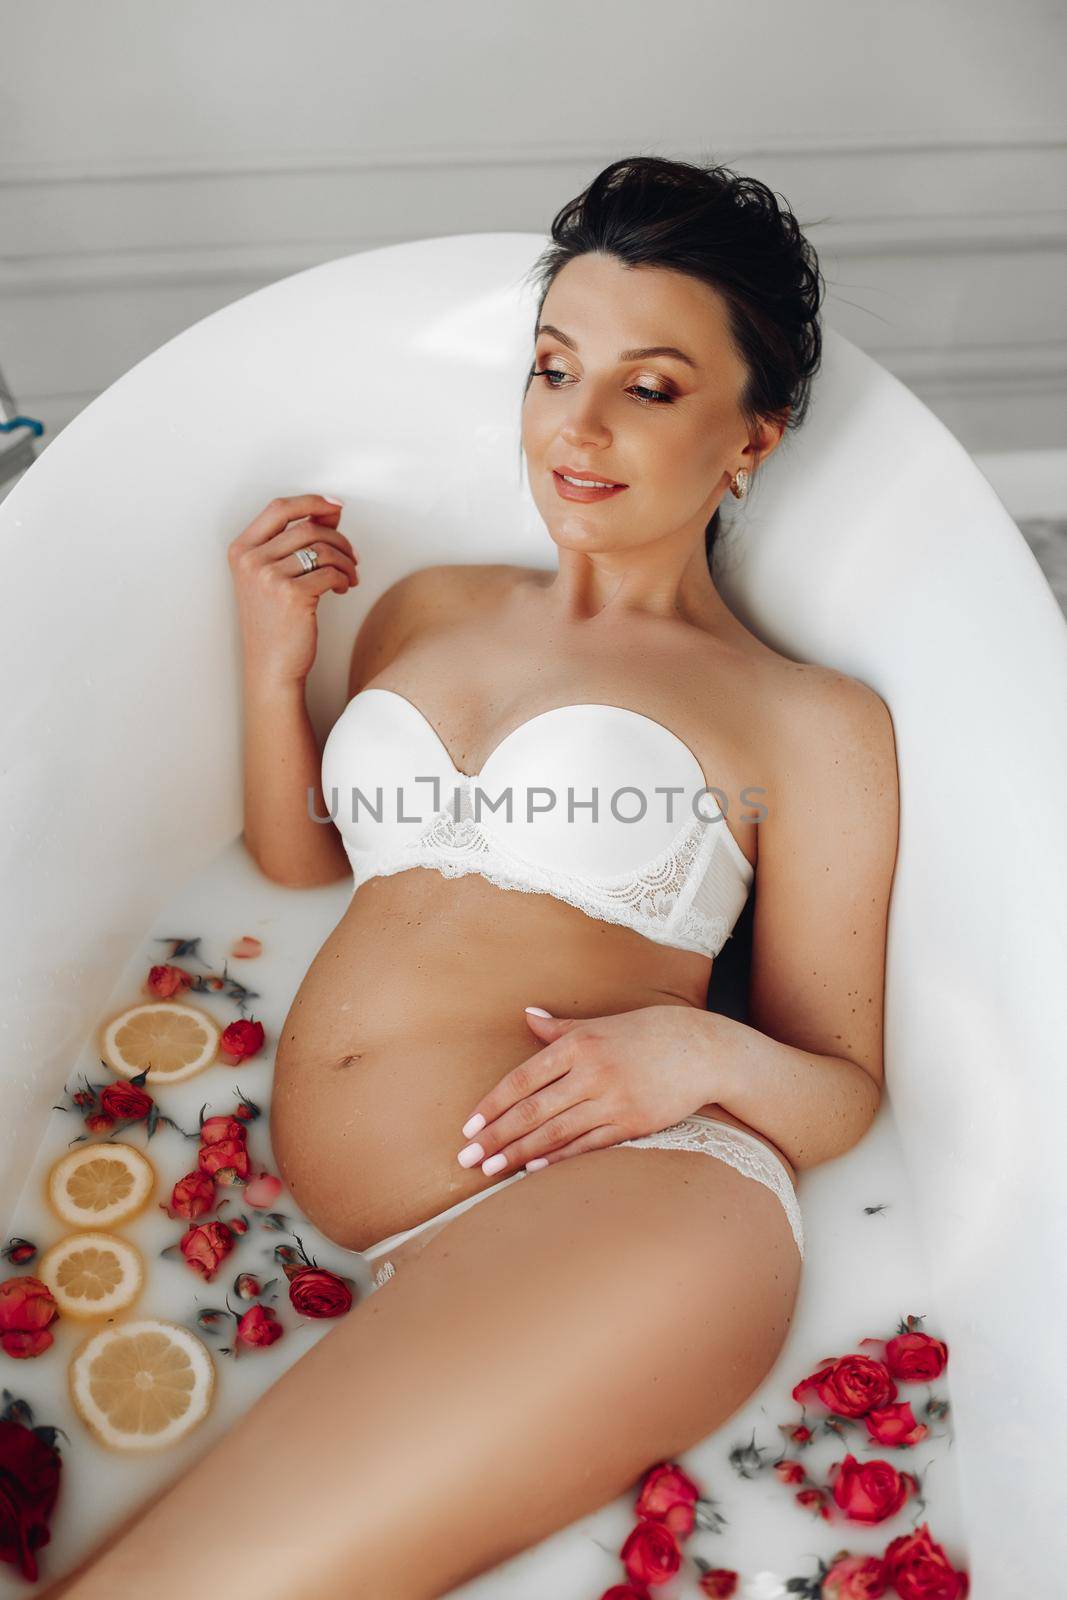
(445, 1425)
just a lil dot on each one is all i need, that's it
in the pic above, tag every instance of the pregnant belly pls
(410, 1013)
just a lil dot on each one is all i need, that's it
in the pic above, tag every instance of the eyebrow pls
(625, 355)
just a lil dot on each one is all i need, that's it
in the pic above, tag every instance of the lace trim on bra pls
(738, 1150)
(655, 901)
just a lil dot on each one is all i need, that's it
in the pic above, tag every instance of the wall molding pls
(269, 163)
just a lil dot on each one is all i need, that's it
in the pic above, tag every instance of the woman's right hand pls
(276, 598)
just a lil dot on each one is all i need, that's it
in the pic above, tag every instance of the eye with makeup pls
(659, 396)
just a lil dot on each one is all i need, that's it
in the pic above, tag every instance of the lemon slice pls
(171, 1040)
(97, 1185)
(92, 1274)
(142, 1385)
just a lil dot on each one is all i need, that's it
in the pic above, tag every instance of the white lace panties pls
(738, 1149)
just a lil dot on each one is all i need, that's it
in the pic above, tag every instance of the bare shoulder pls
(823, 704)
(421, 599)
(833, 757)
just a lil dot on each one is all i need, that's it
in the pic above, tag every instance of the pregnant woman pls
(556, 790)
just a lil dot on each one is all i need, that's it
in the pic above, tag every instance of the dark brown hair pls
(728, 231)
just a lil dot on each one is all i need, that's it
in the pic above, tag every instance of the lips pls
(598, 477)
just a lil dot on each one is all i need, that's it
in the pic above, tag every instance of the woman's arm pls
(282, 757)
(282, 761)
(808, 1069)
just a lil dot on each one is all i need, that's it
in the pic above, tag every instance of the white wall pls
(159, 161)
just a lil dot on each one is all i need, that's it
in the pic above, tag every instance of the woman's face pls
(670, 431)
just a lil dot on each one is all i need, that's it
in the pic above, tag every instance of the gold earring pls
(739, 483)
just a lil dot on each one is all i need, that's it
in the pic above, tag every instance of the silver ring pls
(308, 559)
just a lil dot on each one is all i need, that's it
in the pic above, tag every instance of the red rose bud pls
(26, 1304)
(242, 1039)
(668, 1496)
(193, 1196)
(167, 981)
(245, 1112)
(814, 1498)
(206, 1246)
(916, 1358)
(26, 1309)
(226, 1160)
(624, 1591)
(855, 1578)
(247, 1286)
(215, 1129)
(20, 1253)
(217, 983)
(870, 1491)
(98, 1123)
(29, 1472)
(314, 1292)
(24, 1346)
(125, 1102)
(919, 1569)
(259, 1327)
(850, 1386)
(650, 1554)
(789, 1472)
(238, 1225)
(895, 1425)
(262, 1192)
(249, 947)
(84, 1098)
(719, 1582)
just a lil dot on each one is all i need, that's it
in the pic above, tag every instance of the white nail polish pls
(475, 1125)
(538, 1011)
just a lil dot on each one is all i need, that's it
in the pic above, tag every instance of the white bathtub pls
(394, 379)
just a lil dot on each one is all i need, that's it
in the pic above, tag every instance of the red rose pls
(920, 1570)
(215, 1129)
(98, 1123)
(167, 981)
(916, 1358)
(870, 1491)
(206, 1246)
(29, 1484)
(26, 1309)
(315, 1292)
(789, 1471)
(242, 1039)
(223, 1149)
(227, 1164)
(719, 1582)
(851, 1386)
(262, 1192)
(125, 1102)
(668, 1496)
(895, 1425)
(259, 1327)
(813, 1497)
(227, 1161)
(650, 1554)
(624, 1591)
(192, 1196)
(855, 1578)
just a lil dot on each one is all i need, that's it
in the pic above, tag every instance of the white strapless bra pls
(601, 807)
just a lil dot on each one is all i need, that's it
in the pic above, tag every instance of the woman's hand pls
(276, 598)
(596, 1081)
